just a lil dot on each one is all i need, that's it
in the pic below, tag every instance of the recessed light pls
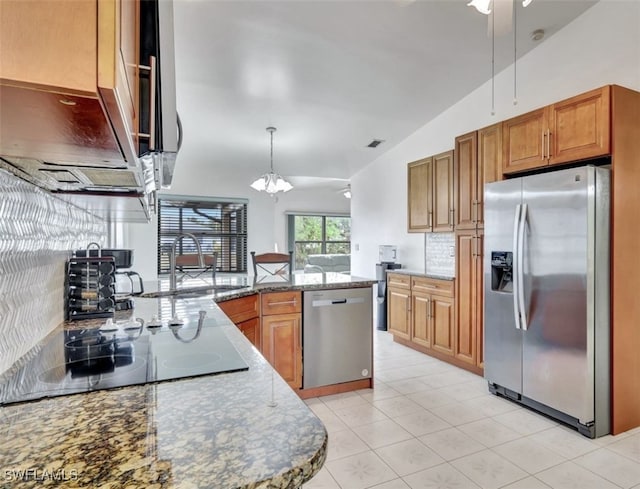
(537, 35)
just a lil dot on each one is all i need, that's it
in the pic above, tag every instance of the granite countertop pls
(215, 431)
(418, 273)
(249, 285)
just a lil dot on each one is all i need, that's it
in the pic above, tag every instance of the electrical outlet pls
(356, 246)
(452, 251)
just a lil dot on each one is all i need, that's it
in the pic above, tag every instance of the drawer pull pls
(293, 303)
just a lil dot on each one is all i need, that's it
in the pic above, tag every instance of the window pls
(318, 234)
(219, 226)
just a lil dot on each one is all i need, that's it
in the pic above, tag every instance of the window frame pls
(291, 238)
(236, 241)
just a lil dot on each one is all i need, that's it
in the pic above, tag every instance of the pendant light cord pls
(515, 52)
(493, 61)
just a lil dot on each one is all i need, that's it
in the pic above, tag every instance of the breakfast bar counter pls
(244, 429)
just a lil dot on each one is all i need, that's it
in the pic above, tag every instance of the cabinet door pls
(443, 192)
(523, 142)
(251, 329)
(478, 294)
(398, 309)
(118, 61)
(489, 164)
(241, 309)
(580, 127)
(420, 307)
(442, 316)
(419, 195)
(466, 180)
(465, 337)
(281, 346)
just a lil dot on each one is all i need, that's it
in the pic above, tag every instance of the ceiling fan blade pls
(501, 17)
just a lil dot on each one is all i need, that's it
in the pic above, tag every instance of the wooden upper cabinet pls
(523, 142)
(420, 195)
(466, 180)
(579, 127)
(575, 129)
(443, 211)
(478, 160)
(79, 68)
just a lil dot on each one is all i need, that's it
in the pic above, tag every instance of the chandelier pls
(271, 182)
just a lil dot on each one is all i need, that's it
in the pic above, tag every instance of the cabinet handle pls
(428, 308)
(432, 308)
(542, 146)
(451, 216)
(430, 219)
(281, 303)
(548, 143)
(152, 102)
(474, 211)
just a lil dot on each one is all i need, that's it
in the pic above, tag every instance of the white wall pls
(600, 47)
(196, 176)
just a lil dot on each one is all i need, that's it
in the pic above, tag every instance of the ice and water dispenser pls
(502, 271)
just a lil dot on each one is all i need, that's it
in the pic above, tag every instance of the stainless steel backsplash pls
(37, 234)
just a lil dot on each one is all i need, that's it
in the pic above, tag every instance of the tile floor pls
(428, 424)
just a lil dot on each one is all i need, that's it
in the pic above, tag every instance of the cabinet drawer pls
(398, 280)
(281, 302)
(432, 286)
(241, 309)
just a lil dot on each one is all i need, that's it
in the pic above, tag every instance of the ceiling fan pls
(500, 14)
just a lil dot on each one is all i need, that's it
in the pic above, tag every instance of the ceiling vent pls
(375, 143)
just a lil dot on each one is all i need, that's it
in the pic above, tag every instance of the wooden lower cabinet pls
(281, 340)
(398, 307)
(251, 329)
(282, 334)
(421, 314)
(245, 314)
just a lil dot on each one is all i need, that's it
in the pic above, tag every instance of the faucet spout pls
(172, 257)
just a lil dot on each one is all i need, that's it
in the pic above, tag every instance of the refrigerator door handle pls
(516, 274)
(520, 271)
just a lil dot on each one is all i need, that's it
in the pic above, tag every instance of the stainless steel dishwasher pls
(337, 335)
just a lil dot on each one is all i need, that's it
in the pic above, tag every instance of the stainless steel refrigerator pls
(546, 271)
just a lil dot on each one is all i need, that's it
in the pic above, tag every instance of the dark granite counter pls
(215, 431)
(417, 273)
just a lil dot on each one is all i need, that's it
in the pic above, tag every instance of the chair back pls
(272, 263)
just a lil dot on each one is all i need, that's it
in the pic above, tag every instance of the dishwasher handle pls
(336, 302)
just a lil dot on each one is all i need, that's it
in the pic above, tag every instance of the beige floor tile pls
(528, 483)
(457, 413)
(340, 401)
(466, 390)
(432, 399)
(331, 422)
(408, 457)
(492, 405)
(344, 444)
(380, 391)
(525, 421)
(322, 480)
(568, 475)
(488, 469)
(394, 484)
(529, 455)
(382, 433)
(360, 414)
(397, 406)
(409, 386)
(451, 443)
(566, 442)
(421, 422)
(612, 466)
(442, 476)
(360, 471)
(489, 432)
(628, 447)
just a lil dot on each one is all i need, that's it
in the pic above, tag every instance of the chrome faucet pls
(172, 257)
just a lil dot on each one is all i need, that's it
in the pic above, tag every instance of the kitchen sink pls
(191, 291)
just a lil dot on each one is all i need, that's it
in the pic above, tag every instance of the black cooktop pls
(117, 355)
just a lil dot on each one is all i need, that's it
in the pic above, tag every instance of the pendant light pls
(271, 182)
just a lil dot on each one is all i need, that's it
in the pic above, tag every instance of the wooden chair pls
(272, 263)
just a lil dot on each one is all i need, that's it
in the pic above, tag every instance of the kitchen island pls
(218, 431)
